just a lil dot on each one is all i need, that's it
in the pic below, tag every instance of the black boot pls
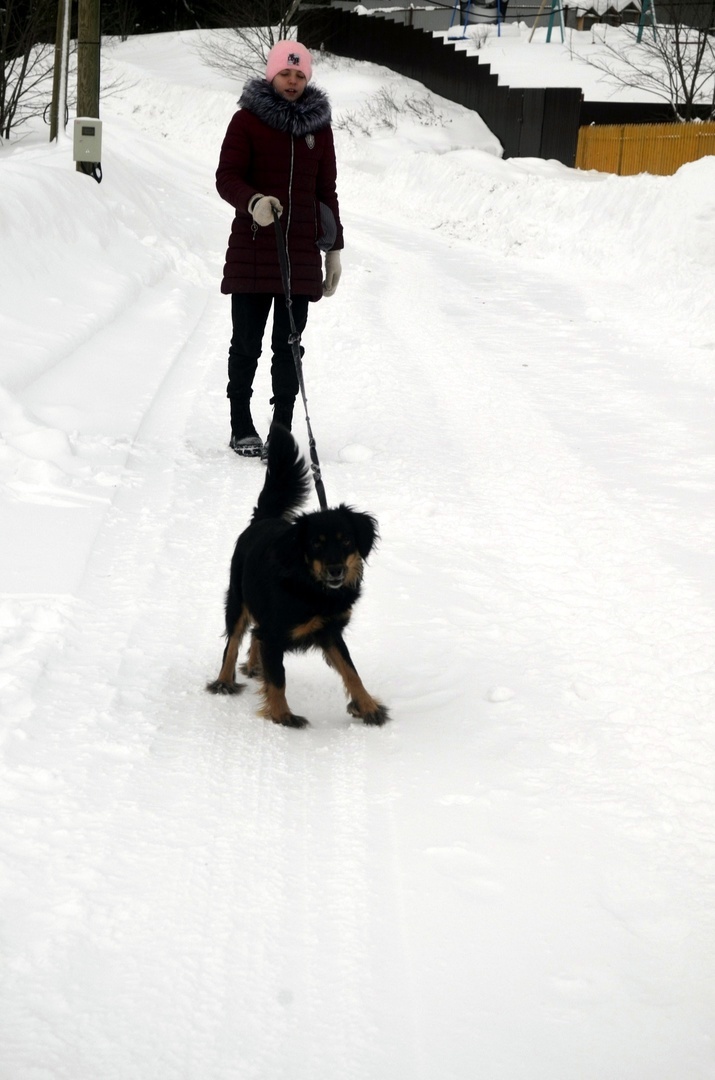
(283, 411)
(283, 415)
(245, 440)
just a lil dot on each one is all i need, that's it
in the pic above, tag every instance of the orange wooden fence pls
(627, 149)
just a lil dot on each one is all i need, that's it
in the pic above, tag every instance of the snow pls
(514, 878)
(521, 62)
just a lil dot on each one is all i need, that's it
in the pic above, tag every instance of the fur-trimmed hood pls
(310, 113)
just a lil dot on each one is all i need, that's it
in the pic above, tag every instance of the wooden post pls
(58, 107)
(88, 55)
(542, 5)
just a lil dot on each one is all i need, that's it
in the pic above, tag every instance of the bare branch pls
(254, 26)
(676, 65)
(26, 60)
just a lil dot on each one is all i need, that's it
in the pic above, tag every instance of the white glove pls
(261, 209)
(332, 272)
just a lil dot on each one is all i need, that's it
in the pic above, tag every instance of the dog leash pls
(294, 342)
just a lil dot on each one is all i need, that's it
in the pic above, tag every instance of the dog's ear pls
(364, 528)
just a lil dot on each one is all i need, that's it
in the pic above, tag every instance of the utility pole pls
(88, 54)
(58, 109)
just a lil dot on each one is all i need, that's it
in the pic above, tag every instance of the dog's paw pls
(377, 715)
(221, 687)
(377, 718)
(291, 720)
(254, 672)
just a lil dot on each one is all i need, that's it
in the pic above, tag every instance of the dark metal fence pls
(528, 123)
(634, 112)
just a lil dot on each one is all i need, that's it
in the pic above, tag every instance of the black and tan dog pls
(294, 581)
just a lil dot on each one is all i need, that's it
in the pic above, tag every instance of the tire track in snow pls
(213, 895)
(566, 564)
(217, 881)
(551, 641)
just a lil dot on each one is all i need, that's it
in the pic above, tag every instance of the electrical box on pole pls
(87, 140)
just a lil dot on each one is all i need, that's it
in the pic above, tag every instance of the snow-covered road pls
(513, 879)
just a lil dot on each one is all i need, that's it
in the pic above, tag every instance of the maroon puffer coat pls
(282, 148)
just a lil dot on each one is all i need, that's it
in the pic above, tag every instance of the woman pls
(278, 153)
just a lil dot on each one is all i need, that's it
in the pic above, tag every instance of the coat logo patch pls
(310, 141)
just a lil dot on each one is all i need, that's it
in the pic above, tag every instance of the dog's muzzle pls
(334, 577)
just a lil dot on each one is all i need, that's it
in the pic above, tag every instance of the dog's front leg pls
(361, 704)
(275, 705)
(226, 682)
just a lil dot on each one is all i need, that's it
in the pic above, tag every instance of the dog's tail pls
(287, 484)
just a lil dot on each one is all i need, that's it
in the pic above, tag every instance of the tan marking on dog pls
(307, 628)
(354, 688)
(277, 709)
(355, 568)
(254, 664)
(227, 673)
(275, 704)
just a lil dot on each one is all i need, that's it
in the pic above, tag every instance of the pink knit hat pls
(288, 54)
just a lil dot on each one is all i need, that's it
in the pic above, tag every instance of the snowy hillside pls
(514, 879)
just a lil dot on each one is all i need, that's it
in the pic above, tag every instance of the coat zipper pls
(290, 202)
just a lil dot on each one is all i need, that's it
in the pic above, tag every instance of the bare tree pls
(27, 30)
(255, 25)
(120, 17)
(676, 62)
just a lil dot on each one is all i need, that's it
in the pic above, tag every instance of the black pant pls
(249, 312)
